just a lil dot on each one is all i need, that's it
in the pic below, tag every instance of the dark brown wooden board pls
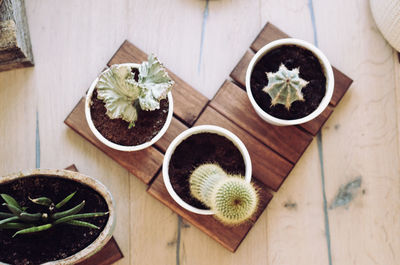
(274, 150)
(229, 237)
(143, 164)
(233, 103)
(268, 167)
(109, 254)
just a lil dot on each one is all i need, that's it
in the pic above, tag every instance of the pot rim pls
(197, 130)
(113, 145)
(93, 183)
(326, 66)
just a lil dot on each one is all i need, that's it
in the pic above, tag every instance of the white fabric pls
(387, 17)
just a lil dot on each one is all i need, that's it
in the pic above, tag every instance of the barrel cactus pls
(26, 223)
(123, 95)
(232, 199)
(284, 86)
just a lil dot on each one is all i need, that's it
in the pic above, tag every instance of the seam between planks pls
(320, 151)
(258, 140)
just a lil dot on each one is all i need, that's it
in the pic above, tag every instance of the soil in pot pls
(61, 241)
(199, 149)
(147, 126)
(310, 70)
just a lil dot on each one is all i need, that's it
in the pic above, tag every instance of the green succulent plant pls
(232, 199)
(123, 95)
(284, 86)
(25, 223)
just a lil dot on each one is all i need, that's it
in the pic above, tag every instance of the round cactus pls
(231, 198)
(284, 86)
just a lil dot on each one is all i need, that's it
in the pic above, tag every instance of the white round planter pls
(119, 147)
(326, 67)
(387, 17)
(196, 130)
(104, 236)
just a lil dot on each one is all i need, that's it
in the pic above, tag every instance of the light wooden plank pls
(153, 228)
(361, 143)
(281, 235)
(17, 120)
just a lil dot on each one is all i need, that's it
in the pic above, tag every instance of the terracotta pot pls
(104, 236)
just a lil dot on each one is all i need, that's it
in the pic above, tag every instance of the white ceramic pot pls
(386, 14)
(326, 67)
(196, 130)
(104, 236)
(115, 146)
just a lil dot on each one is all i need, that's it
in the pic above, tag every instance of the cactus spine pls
(284, 86)
(232, 199)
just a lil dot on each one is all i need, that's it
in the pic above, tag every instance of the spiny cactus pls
(232, 199)
(284, 86)
(123, 95)
(25, 223)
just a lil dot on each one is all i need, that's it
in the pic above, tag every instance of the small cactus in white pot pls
(131, 92)
(289, 82)
(229, 196)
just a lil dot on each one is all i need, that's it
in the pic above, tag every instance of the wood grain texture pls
(360, 148)
(268, 167)
(188, 102)
(360, 138)
(315, 125)
(175, 128)
(229, 237)
(109, 254)
(144, 164)
(15, 43)
(233, 103)
(239, 72)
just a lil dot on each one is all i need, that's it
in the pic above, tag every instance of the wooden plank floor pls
(309, 221)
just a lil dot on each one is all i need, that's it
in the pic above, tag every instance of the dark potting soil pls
(60, 241)
(199, 149)
(147, 126)
(310, 70)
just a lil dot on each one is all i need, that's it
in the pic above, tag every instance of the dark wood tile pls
(229, 237)
(268, 167)
(143, 164)
(233, 103)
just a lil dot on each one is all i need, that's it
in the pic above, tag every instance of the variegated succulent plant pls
(26, 223)
(123, 95)
(284, 86)
(231, 198)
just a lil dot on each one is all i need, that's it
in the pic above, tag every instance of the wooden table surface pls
(340, 204)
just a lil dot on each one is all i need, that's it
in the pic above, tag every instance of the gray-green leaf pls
(118, 94)
(154, 82)
(10, 200)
